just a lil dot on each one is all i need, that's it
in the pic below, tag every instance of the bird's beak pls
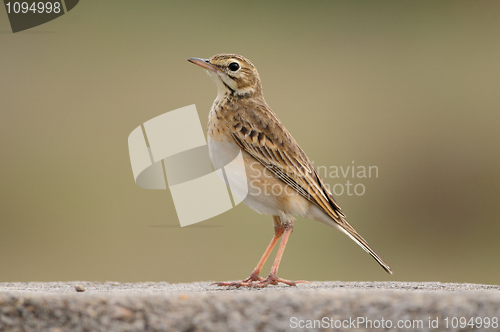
(204, 63)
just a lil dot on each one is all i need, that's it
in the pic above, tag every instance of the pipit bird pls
(240, 117)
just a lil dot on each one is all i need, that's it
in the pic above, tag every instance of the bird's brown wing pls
(258, 131)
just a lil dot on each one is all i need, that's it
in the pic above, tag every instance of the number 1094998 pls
(35, 7)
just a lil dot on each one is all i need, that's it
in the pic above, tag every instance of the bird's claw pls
(259, 282)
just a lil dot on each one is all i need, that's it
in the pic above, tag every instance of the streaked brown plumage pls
(241, 117)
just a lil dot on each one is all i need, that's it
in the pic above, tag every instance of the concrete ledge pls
(114, 306)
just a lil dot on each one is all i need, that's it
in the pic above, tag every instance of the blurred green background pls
(410, 87)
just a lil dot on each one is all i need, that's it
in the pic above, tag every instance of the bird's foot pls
(251, 279)
(259, 282)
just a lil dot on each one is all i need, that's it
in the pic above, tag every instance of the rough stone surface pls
(112, 306)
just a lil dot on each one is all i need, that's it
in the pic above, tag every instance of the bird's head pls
(232, 73)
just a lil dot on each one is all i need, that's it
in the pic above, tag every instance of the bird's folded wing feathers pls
(259, 132)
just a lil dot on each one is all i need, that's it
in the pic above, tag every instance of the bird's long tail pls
(351, 232)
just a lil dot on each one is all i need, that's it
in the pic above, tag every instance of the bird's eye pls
(234, 66)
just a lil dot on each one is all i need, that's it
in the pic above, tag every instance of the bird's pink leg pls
(254, 276)
(273, 279)
(254, 280)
